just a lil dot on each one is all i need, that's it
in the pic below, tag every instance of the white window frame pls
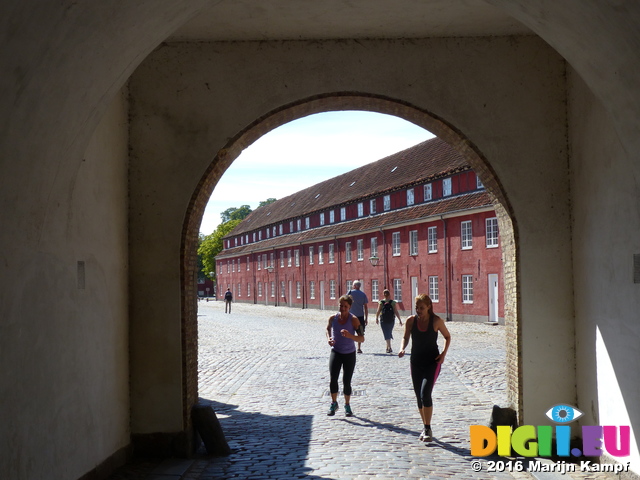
(280, 229)
(413, 242)
(467, 289)
(307, 223)
(332, 216)
(291, 226)
(375, 290)
(310, 255)
(446, 187)
(374, 247)
(281, 258)
(491, 232)
(272, 258)
(298, 225)
(386, 200)
(248, 263)
(298, 290)
(265, 264)
(296, 254)
(410, 197)
(466, 235)
(259, 289)
(397, 289)
(312, 290)
(434, 288)
(248, 289)
(273, 289)
(360, 249)
(372, 206)
(321, 218)
(332, 253)
(395, 244)
(239, 289)
(288, 258)
(343, 214)
(282, 289)
(349, 285)
(332, 289)
(479, 184)
(432, 235)
(347, 252)
(321, 254)
(360, 209)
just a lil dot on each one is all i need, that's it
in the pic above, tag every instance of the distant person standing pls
(228, 298)
(359, 306)
(386, 316)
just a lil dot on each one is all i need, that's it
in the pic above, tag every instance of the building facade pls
(418, 221)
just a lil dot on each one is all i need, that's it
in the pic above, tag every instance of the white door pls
(321, 294)
(414, 294)
(493, 298)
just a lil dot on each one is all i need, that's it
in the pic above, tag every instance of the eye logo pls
(563, 414)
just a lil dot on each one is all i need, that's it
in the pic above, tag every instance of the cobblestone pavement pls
(264, 370)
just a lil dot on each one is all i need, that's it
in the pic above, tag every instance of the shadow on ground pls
(262, 445)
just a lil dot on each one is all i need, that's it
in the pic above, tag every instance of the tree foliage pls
(266, 202)
(234, 213)
(211, 246)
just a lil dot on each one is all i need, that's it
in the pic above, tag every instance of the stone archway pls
(335, 102)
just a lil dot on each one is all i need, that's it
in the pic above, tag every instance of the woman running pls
(423, 328)
(341, 336)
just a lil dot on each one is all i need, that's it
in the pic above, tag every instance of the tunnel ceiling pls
(333, 19)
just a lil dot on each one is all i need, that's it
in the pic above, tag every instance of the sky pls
(305, 152)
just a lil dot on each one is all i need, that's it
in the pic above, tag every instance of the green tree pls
(234, 213)
(266, 202)
(201, 275)
(211, 246)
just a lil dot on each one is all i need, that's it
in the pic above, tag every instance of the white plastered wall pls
(64, 354)
(507, 95)
(606, 235)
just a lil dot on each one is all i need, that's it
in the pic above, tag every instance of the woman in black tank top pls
(422, 328)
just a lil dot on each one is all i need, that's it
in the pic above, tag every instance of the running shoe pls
(332, 409)
(426, 435)
(347, 411)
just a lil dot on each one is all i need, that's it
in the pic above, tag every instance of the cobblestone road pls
(264, 370)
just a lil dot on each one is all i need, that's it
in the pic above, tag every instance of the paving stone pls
(264, 370)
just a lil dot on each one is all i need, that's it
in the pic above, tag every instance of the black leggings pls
(424, 378)
(346, 361)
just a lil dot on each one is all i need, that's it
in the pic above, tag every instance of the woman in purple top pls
(341, 335)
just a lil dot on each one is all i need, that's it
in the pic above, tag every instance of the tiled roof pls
(423, 162)
(427, 210)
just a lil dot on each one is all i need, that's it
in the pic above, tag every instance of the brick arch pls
(337, 102)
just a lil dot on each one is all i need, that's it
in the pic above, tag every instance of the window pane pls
(446, 187)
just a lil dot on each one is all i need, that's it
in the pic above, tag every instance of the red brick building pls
(418, 221)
